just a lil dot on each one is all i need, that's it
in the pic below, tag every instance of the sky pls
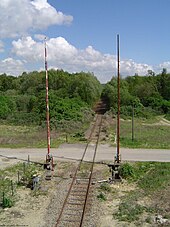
(81, 36)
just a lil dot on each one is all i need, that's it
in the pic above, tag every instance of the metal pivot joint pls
(49, 162)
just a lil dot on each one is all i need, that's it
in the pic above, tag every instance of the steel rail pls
(76, 172)
(91, 173)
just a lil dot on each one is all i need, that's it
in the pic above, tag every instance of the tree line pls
(149, 95)
(72, 96)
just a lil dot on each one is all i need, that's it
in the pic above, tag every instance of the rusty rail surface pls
(77, 199)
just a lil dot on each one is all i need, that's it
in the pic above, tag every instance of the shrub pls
(7, 202)
(101, 196)
(127, 170)
(105, 187)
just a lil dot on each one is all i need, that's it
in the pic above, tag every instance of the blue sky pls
(82, 35)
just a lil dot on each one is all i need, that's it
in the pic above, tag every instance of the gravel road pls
(74, 151)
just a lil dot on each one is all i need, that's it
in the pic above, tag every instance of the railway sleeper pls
(73, 214)
(81, 185)
(77, 194)
(81, 191)
(77, 204)
(77, 199)
(68, 220)
(74, 209)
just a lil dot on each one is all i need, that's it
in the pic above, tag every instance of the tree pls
(7, 105)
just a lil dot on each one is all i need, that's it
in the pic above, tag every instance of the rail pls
(76, 201)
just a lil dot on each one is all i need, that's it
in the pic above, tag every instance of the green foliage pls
(163, 83)
(148, 133)
(8, 187)
(134, 171)
(85, 86)
(150, 178)
(61, 109)
(101, 196)
(7, 106)
(27, 175)
(129, 211)
(149, 94)
(127, 171)
(23, 99)
(6, 192)
(7, 202)
(7, 82)
(167, 116)
(157, 177)
(105, 187)
(70, 95)
(110, 93)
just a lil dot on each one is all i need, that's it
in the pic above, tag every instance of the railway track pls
(79, 196)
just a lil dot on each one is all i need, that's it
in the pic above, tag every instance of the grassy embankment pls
(151, 194)
(143, 195)
(12, 178)
(34, 136)
(148, 133)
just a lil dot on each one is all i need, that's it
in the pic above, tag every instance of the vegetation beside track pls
(35, 136)
(72, 98)
(148, 133)
(14, 177)
(143, 194)
(141, 197)
(152, 180)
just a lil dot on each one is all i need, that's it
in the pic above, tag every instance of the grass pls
(101, 196)
(105, 187)
(146, 134)
(20, 136)
(149, 176)
(84, 170)
(129, 210)
(103, 191)
(34, 136)
(152, 179)
(9, 181)
(157, 178)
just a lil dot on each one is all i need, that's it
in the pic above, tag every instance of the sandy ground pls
(74, 151)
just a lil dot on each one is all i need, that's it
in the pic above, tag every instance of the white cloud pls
(1, 46)
(17, 17)
(40, 37)
(130, 67)
(11, 66)
(62, 54)
(58, 49)
(165, 65)
(28, 49)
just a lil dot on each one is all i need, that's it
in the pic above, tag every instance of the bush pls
(127, 171)
(7, 202)
(129, 211)
(105, 187)
(7, 106)
(167, 116)
(101, 196)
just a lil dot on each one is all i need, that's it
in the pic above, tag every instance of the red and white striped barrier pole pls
(49, 158)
